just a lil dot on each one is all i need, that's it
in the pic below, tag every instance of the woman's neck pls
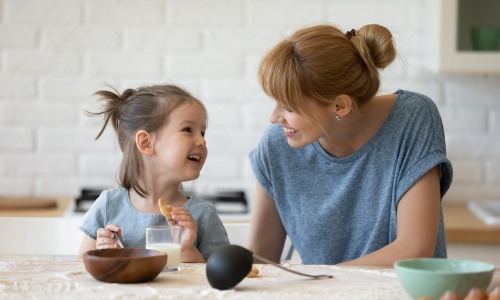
(347, 136)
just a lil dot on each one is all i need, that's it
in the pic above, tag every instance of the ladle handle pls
(288, 270)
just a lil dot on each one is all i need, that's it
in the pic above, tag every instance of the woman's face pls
(299, 131)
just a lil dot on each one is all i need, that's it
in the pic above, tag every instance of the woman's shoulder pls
(411, 102)
(414, 109)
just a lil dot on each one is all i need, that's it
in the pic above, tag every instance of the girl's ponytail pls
(113, 108)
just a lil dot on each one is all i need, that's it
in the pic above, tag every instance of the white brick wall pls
(34, 63)
(55, 54)
(16, 139)
(43, 12)
(122, 14)
(9, 37)
(200, 14)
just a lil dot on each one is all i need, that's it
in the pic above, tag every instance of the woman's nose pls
(276, 115)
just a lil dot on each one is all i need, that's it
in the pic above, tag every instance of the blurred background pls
(56, 54)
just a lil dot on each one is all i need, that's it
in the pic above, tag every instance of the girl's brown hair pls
(322, 62)
(146, 108)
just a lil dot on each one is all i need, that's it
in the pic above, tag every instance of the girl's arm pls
(104, 240)
(191, 255)
(267, 234)
(86, 245)
(418, 215)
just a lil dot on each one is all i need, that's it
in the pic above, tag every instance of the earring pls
(339, 118)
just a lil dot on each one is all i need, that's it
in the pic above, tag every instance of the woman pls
(352, 177)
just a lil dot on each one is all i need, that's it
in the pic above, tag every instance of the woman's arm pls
(267, 234)
(418, 221)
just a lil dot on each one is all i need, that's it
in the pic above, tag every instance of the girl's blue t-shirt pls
(114, 207)
(339, 209)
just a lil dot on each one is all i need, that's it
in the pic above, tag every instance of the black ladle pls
(228, 265)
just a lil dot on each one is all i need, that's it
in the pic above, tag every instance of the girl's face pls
(299, 131)
(180, 147)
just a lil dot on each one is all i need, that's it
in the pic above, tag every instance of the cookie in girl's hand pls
(166, 210)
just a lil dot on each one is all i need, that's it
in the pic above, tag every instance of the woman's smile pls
(290, 132)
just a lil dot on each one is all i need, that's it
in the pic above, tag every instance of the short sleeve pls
(95, 217)
(428, 149)
(423, 166)
(212, 234)
(260, 162)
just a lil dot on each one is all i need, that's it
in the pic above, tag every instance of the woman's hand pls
(105, 237)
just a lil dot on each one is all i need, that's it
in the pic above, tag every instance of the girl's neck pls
(149, 203)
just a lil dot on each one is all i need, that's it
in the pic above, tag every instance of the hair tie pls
(350, 34)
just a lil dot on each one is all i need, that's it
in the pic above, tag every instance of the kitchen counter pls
(462, 226)
(62, 205)
(70, 280)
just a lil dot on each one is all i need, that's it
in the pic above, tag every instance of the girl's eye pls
(187, 129)
(288, 110)
(203, 133)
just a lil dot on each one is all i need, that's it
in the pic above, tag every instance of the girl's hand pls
(188, 224)
(105, 237)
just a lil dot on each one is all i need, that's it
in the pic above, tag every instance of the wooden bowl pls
(125, 265)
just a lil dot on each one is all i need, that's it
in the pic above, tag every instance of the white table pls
(70, 280)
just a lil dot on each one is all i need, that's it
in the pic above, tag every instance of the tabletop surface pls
(70, 280)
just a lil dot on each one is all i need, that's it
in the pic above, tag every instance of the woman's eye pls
(187, 129)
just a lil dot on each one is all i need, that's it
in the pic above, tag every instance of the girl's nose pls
(276, 115)
(200, 141)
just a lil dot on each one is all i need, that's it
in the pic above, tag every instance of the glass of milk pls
(168, 240)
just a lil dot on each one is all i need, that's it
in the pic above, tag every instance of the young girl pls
(352, 177)
(161, 133)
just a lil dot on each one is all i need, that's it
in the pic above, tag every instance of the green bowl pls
(432, 277)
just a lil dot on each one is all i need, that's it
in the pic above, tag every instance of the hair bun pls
(380, 42)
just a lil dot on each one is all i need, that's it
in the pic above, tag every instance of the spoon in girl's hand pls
(228, 265)
(117, 239)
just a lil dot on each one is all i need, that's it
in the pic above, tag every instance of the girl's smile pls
(195, 158)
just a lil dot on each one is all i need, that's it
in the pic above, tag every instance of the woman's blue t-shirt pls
(114, 207)
(339, 209)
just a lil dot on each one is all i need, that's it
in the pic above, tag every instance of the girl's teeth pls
(197, 158)
(289, 130)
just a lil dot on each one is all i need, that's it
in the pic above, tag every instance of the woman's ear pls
(144, 142)
(342, 105)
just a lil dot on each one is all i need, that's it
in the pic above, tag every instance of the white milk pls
(173, 251)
